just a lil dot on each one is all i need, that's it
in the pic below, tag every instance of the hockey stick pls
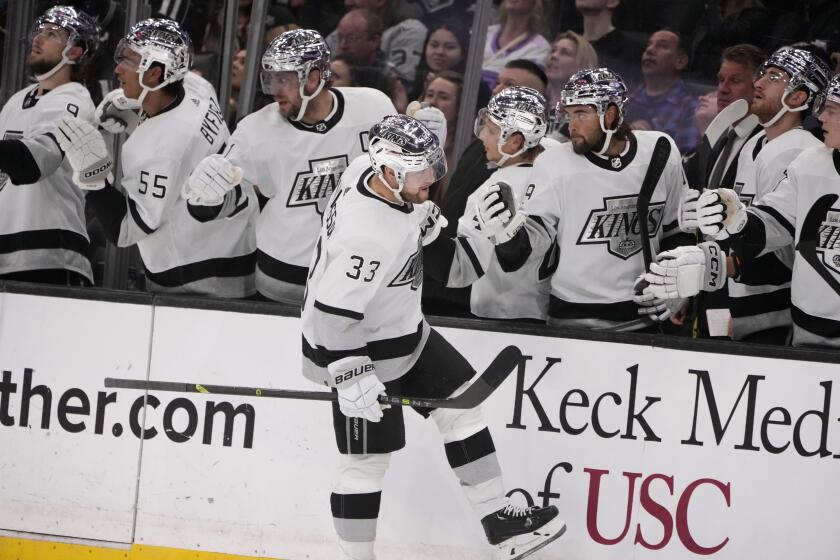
(475, 394)
(730, 114)
(809, 238)
(658, 161)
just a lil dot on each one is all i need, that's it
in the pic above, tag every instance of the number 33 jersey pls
(365, 279)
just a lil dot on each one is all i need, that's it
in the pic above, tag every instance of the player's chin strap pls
(506, 156)
(305, 98)
(607, 138)
(64, 60)
(785, 109)
(400, 182)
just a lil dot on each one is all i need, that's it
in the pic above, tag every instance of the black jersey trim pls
(180, 94)
(465, 451)
(383, 349)
(758, 304)
(618, 311)
(758, 146)
(17, 162)
(624, 159)
(355, 506)
(835, 156)
(766, 270)
(476, 264)
(279, 270)
(778, 217)
(135, 215)
(44, 239)
(222, 267)
(826, 328)
(406, 208)
(349, 313)
(323, 127)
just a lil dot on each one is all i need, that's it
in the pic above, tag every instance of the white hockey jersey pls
(815, 302)
(496, 294)
(42, 225)
(298, 167)
(588, 204)
(365, 282)
(760, 298)
(181, 254)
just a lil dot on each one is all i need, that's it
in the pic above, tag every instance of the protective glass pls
(126, 55)
(273, 81)
(435, 170)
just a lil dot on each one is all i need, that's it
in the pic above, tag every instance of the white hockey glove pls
(431, 225)
(212, 178)
(497, 212)
(118, 113)
(656, 308)
(432, 117)
(685, 271)
(354, 377)
(720, 213)
(687, 217)
(85, 149)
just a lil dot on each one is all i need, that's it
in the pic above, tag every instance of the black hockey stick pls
(658, 161)
(809, 238)
(476, 393)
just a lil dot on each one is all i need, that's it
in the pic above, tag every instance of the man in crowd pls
(616, 50)
(663, 101)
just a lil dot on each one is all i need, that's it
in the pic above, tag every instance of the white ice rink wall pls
(649, 452)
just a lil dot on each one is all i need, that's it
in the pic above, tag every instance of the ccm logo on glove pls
(355, 372)
(714, 266)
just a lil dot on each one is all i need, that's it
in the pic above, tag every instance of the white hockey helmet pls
(805, 70)
(410, 149)
(82, 30)
(299, 51)
(599, 87)
(161, 41)
(832, 95)
(515, 109)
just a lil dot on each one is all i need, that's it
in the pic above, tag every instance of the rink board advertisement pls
(648, 452)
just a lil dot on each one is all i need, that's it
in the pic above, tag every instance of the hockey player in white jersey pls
(361, 314)
(43, 237)
(787, 87)
(294, 151)
(802, 211)
(584, 197)
(510, 127)
(176, 131)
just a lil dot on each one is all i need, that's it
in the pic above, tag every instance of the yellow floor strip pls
(24, 549)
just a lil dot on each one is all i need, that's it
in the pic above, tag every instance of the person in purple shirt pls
(663, 102)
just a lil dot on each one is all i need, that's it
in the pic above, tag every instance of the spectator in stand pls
(469, 172)
(359, 35)
(663, 100)
(570, 52)
(446, 49)
(341, 69)
(444, 92)
(402, 36)
(518, 35)
(616, 50)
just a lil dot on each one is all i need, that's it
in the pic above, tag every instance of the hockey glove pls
(497, 212)
(687, 217)
(212, 178)
(85, 149)
(354, 377)
(432, 117)
(685, 271)
(432, 224)
(657, 309)
(720, 213)
(118, 113)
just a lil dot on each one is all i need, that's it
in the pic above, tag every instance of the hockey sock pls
(355, 503)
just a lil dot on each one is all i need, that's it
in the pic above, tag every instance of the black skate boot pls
(518, 532)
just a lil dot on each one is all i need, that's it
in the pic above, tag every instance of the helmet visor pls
(48, 31)
(127, 55)
(433, 171)
(273, 81)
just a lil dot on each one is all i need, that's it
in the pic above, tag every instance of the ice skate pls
(517, 532)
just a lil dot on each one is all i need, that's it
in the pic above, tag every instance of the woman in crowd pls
(519, 34)
(570, 52)
(445, 49)
(444, 92)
